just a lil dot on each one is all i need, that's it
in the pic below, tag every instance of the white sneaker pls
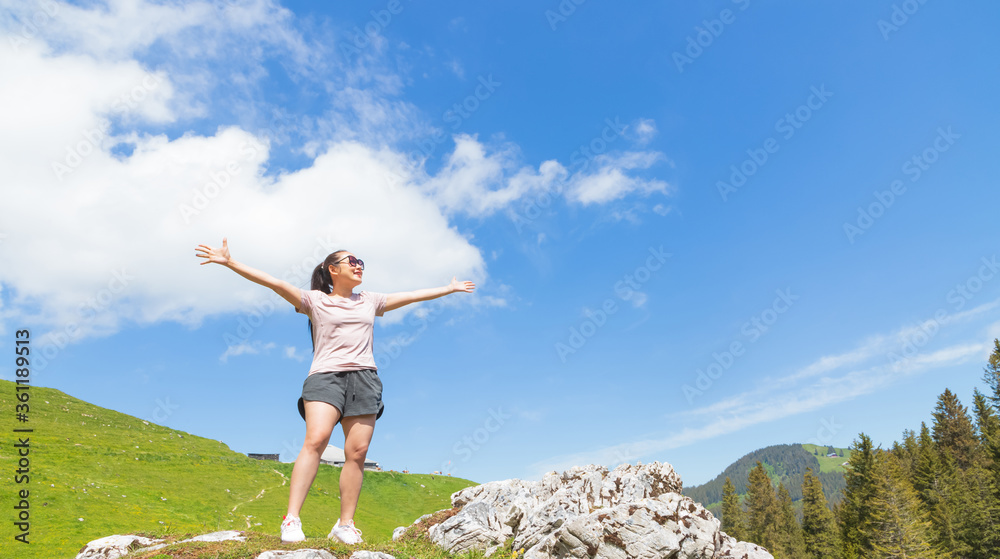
(345, 533)
(291, 530)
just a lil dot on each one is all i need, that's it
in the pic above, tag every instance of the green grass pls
(95, 472)
(832, 464)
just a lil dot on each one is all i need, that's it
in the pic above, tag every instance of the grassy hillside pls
(784, 464)
(96, 472)
(832, 464)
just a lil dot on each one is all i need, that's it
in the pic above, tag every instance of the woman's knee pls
(356, 451)
(316, 442)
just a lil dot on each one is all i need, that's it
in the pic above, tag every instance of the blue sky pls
(697, 229)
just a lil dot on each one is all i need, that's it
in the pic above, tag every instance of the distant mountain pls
(785, 463)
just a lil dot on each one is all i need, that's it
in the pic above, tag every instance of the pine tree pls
(898, 527)
(733, 521)
(856, 510)
(762, 510)
(987, 422)
(991, 375)
(974, 513)
(953, 431)
(961, 503)
(908, 452)
(988, 429)
(819, 530)
(941, 486)
(791, 544)
(927, 469)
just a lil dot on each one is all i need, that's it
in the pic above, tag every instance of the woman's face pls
(344, 271)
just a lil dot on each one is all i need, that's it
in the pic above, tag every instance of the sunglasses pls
(352, 261)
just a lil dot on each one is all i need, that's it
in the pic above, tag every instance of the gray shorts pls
(351, 392)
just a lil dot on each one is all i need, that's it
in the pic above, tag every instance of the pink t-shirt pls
(342, 329)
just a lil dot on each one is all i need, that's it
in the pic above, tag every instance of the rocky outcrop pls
(634, 511)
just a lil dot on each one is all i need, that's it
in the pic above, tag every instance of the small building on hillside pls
(271, 457)
(335, 457)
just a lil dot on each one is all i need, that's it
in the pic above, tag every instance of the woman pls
(343, 384)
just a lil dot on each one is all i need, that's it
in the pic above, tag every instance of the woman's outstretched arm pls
(403, 298)
(221, 256)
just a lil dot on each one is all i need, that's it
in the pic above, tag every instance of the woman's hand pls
(456, 286)
(216, 255)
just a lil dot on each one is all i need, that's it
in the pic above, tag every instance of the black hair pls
(321, 281)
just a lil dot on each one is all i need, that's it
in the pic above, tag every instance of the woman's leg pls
(321, 417)
(358, 431)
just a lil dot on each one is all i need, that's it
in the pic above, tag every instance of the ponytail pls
(321, 282)
(321, 279)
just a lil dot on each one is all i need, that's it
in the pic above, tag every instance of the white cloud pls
(478, 183)
(244, 348)
(456, 68)
(610, 181)
(828, 380)
(643, 131)
(292, 352)
(638, 299)
(108, 239)
(108, 209)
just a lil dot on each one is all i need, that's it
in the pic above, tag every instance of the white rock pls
(370, 555)
(113, 547)
(222, 536)
(298, 554)
(731, 548)
(634, 511)
(398, 533)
